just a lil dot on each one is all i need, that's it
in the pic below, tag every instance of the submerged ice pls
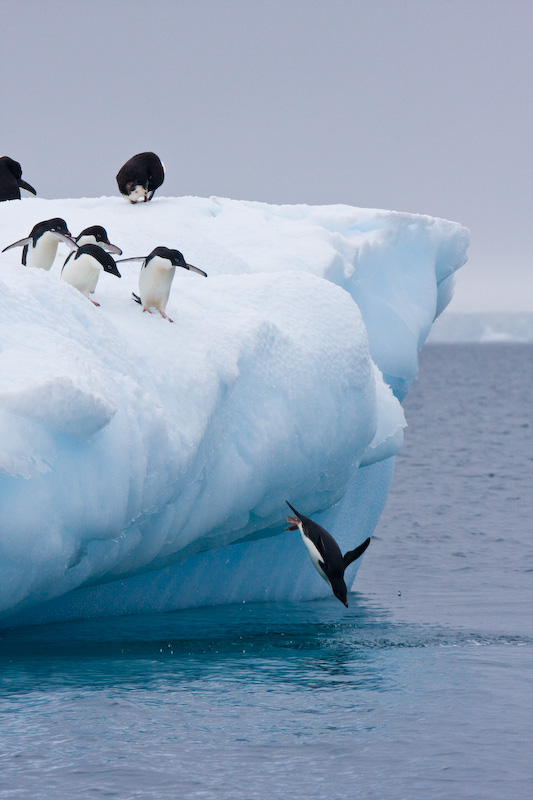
(145, 465)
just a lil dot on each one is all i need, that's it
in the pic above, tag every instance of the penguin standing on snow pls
(83, 269)
(96, 234)
(156, 276)
(325, 553)
(140, 177)
(40, 247)
(11, 180)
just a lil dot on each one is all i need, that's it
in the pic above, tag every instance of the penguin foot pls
(165, 316)
(147, 309)
(293, 524)
(94, 303)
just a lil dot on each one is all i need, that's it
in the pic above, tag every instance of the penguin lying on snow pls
(83, 269)
(140, 177)
(40, 247)
(156, 276)
(11, 180)
(325, 552)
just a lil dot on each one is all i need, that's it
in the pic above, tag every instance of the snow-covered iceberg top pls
(128, 444)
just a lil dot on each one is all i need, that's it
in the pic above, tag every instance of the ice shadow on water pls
(316, 645)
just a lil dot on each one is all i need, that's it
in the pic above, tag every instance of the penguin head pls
(103, 259)
(58, 225)
(55, 225)
(339, 589)
(97, 232)
(175, 259)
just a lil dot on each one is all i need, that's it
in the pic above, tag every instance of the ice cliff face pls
(145, 465)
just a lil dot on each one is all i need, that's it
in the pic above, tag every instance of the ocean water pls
(422, 689)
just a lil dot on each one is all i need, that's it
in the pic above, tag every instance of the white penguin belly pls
(82, 273)
(43, 255)
(314, 553)
(155, 281)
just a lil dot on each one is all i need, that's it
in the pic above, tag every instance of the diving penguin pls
(83, 269)
(40, 247)
(156, 276)
(11, 180)
(325, 553)
(140, 177)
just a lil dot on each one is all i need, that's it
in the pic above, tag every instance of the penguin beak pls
(23, 185)
(195, 269)
(112, 269)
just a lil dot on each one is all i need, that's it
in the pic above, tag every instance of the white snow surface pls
(145, 465)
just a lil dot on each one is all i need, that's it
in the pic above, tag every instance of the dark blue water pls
(422, 689)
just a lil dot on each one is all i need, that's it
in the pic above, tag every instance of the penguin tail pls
(136, 298)
(353, 555)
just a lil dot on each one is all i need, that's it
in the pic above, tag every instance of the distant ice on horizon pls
(483, 328)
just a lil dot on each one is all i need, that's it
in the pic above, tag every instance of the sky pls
(413, 105)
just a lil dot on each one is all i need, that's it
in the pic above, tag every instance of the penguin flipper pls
(198, 271)
(67, 259)
(353, 555)
(134, 258)
(24, 185)
(136, 298)
(111, 248)
(20, 243)
(68, 241)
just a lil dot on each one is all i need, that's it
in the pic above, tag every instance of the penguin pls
(96, 234)
(40, 247)
(156, 276)
(11, 180)
(83, 270)
(325, 553)
(140, 177)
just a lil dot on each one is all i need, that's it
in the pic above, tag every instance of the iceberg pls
(144, 466)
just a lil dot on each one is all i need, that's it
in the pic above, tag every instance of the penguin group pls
(91, 250)
(91, 255)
